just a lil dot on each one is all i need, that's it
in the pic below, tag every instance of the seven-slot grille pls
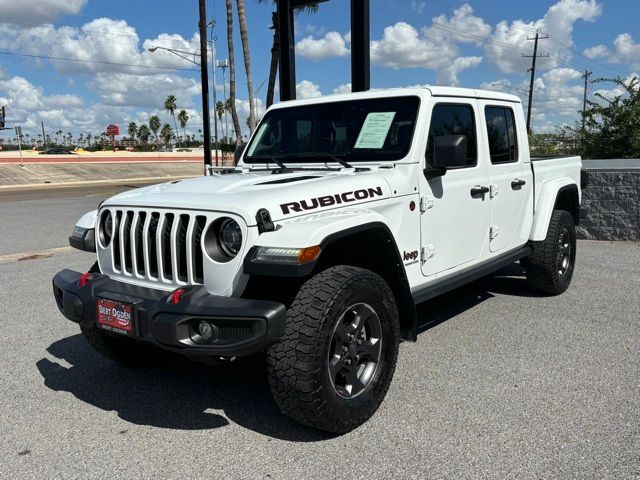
(157, 245)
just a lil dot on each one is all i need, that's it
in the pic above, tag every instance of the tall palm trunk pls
(244, 36)
(275, 59)
(232, 73)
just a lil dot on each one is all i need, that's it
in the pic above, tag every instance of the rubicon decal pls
(329, 200)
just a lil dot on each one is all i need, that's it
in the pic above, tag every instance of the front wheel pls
(335, 363)
(550, 266)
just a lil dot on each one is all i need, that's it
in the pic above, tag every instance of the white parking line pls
(34, 255)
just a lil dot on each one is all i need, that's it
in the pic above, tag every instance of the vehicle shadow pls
(175, 393)
(507, 281)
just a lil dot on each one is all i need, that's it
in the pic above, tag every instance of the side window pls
(454, 119)
(503, 144)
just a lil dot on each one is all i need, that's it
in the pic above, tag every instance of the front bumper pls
(243, 326)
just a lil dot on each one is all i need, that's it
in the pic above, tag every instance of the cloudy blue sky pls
(469, 43)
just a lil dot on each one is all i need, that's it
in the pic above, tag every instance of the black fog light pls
(205, 330)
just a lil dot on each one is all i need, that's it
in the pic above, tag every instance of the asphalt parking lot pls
(502, 383)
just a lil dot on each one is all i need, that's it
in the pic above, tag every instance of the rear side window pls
(503, 144)
(454, 119)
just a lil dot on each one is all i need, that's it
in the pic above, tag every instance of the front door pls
(510, 179)
(455, 217)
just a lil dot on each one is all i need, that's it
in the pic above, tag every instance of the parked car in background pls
(57, 151)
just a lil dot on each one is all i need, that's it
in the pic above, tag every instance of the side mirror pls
(238, 153)
(449, 151)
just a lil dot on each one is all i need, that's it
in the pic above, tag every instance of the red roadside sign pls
(113, 130)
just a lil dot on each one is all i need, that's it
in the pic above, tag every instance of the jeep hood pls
(283, 195)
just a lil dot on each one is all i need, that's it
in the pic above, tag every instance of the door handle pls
(479, 190)
(517, 184)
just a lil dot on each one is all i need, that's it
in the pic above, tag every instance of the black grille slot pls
(142, 217)
(166, 246)
(151, 240)
(198, 230)
(117, 262)
(234, 333)
(126, 242)
(181, 247)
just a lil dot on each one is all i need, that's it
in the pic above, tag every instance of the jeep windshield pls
(368, 130)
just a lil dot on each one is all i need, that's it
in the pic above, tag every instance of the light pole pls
(204, 78)
(224, 64)
(212, 24)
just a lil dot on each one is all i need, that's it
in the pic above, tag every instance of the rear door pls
(454, 225)
(510, 176)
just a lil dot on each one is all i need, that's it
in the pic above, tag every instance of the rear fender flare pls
(546, 202)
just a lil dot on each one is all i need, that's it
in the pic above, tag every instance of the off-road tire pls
(298, 365)
(129, 353)
(544, 265)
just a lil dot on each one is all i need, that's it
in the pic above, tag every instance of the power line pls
(99, 62)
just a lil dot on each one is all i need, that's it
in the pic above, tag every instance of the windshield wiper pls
(335, 158)
(274, 159)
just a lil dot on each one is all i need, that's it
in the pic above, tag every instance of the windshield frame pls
(294, 159)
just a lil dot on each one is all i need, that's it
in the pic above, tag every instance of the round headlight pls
(230, 237)
(223, 240)
(106, 228)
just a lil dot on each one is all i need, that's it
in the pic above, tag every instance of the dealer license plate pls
(116, 317)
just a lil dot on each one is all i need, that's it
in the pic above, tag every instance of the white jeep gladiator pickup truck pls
(342, 214)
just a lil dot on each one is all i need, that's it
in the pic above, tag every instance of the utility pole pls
(533, 74)
(586, 76)
(204, 77)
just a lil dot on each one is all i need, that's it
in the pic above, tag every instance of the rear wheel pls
(550, 266)
(335, 363)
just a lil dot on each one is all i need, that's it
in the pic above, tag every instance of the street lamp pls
(204, 78)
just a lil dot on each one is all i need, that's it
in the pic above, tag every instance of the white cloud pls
(306, 89)
(37, 12)
(402, 46)
(333, 44)
(418, 6)
(449, 74)
(344, 88)
(597, 51)
(627, 51)
(148, 91)
(509, 41)
(463, 25)
(106, 41)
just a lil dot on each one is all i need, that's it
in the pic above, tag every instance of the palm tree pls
(244, 36)
(275, 52)
(132, 130)
(232, 73)
(220, 109)
(166, 133)
(170, 106)
(154, 125)
(58, 134)
(183, 118)
(144, 133)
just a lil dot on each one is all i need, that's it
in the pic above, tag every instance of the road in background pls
(502, 383)
(44, 218)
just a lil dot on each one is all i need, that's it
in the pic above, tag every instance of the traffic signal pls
(1, 117)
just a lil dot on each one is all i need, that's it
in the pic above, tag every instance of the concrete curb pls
(40, 186)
